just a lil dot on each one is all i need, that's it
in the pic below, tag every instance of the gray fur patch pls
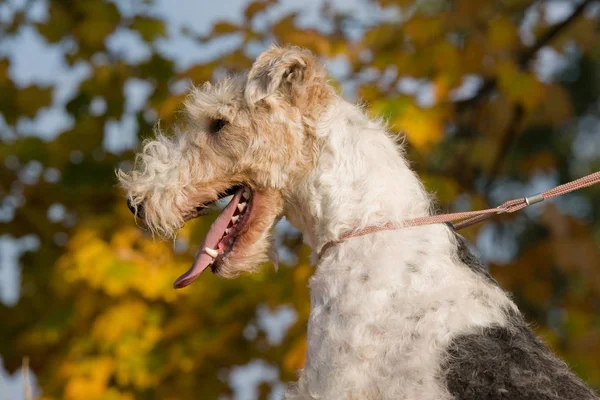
(412, 267)
(508, 363)
(466, 257)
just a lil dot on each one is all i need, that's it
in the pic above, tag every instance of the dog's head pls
(251, 137)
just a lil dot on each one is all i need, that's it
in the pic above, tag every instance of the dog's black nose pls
(137, 211)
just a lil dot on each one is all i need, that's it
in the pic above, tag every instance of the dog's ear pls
(287, 71)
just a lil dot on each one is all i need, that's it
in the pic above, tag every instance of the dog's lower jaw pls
(254, 247)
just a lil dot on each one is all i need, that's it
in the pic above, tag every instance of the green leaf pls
(30, 99)
(148, 27)
(58, 25)
(256, 7)
(99, 20)
(223, 28)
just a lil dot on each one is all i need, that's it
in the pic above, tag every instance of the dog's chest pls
(378, 329)
(364, 330)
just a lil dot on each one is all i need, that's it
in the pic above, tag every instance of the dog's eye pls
(216, 125)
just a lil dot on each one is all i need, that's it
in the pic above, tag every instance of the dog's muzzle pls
(137, 211)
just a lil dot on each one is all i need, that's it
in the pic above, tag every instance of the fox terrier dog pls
(396, 314)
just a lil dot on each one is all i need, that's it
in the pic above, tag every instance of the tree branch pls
(505, 145)
(490, 84)
(551, 33)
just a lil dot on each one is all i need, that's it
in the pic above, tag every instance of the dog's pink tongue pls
(214, 235)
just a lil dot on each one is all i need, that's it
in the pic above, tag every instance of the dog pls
(397, 314)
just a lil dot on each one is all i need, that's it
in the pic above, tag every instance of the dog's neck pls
(361, 179)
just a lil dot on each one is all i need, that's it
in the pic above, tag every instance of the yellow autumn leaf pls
(295, 358)
(473, 54)
(423, 127)
(447, 61)
(423, 30)
(169, 107)
(89, 379)
(198, 73)
(555, 109)
(443, 83)
(117, 321)
(444, 188)
(521, 87)
(502, 33)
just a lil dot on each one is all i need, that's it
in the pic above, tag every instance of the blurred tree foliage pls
(97, 315)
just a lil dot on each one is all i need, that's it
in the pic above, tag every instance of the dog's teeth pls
(241, 207)
(246, 193)
(211, 252)
(227, 231)
(235, 218)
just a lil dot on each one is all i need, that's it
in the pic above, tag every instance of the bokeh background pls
(496, 98)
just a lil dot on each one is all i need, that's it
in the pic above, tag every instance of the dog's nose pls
(138, 211)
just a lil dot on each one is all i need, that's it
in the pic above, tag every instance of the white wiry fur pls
(395, 314)
(378, 327)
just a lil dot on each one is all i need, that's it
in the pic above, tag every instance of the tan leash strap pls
(469, 218)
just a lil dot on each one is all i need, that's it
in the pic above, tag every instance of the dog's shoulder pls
(508, 362)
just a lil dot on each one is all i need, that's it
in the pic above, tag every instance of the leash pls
(469, 218)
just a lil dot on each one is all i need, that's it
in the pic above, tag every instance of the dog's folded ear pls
(287, 71)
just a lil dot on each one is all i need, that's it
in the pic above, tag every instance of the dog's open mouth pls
(221, 238)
